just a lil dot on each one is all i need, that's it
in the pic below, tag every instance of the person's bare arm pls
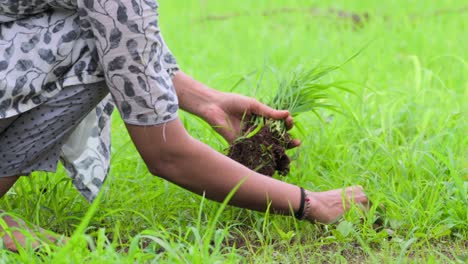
(172, 154)
(194, 96)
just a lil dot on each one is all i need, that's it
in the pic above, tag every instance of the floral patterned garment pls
(46, 45)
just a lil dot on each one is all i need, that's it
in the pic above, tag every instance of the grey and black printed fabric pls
(46, 45)
(86, 154)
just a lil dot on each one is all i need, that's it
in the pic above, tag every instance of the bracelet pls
(300, 213)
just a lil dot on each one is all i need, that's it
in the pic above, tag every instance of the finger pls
(268, 112)
(358, 188)
(356, 194)
(294, 143)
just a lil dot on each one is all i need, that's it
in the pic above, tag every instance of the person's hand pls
(327, 207)
(228, 111)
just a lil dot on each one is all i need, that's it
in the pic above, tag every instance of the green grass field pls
(403, 137)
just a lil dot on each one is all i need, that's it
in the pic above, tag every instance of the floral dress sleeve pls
(134, 58)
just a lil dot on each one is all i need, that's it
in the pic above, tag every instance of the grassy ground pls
(403, 139)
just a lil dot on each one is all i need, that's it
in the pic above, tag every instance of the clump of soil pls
(264, 152)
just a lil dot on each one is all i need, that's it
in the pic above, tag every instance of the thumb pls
(268, 112)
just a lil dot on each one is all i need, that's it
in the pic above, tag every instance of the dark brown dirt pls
(265, 152)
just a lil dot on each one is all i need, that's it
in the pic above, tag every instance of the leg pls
(5, 184)
(12, 236)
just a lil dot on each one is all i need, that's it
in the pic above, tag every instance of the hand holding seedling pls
(229, 113)
(263, 141)
(225, 112)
